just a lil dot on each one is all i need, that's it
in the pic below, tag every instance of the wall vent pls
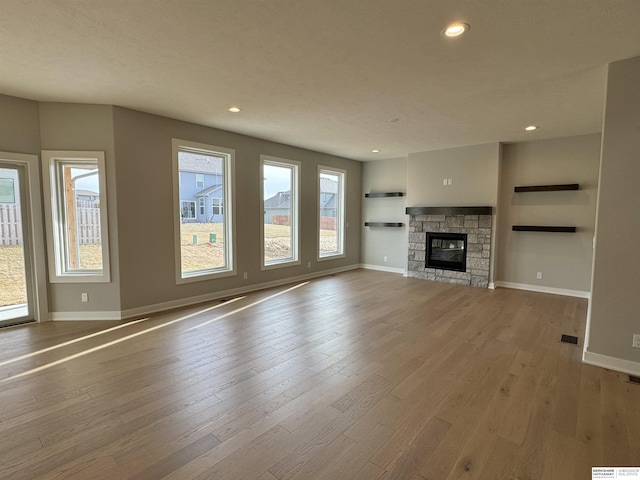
(633, 379)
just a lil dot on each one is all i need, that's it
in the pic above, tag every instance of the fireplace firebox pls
(447, 251)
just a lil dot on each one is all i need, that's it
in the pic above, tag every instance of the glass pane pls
(447, 250)
(202, 231)
(13, 290)
(278, 220)
(329, 213)
(83, 236)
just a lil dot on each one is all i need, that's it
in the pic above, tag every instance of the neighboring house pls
(328, 197)
(279, 204)
(88, 196)
(210, 204)
(201, 189)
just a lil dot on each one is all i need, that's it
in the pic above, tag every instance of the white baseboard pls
(492, 286)
(612, 363)
(541, 289)
(185, 302)
(380, 268)
(84, 316)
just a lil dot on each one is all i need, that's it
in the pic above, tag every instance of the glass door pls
(15, 262)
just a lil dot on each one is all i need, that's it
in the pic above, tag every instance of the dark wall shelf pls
(383, 224)
(384, 194)
(539, 228)
(449, 210)
(548, 188)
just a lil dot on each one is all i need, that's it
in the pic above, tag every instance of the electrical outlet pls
(636, 340)
(385, 259)
(539, 275)
(84, 297)
(308, 264)
(245, 275)
(449, 181)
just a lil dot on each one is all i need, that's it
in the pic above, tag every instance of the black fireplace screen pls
(447, 251)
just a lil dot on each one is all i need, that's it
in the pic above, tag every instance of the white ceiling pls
(329, 74)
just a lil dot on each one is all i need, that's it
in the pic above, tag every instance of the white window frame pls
(295, 212)
(55, 213)
(228, 156)
(340, 213)
(199, 180)
(202, 206)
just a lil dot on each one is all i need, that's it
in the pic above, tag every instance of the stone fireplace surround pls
(476, 222)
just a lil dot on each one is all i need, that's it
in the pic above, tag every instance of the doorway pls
(22, 287)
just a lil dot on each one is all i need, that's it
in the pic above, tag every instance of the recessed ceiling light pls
(456, 29)
(235, 109)
(531, 128)
(375, 150)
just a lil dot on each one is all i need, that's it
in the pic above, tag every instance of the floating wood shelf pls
(449, 210)
(384, 194)
(383, 224)
(548, 188)
(538, 228)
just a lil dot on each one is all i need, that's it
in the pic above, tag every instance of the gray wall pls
(65, 126)
(379, 242)
(564, 259)
(19, 125)
(145, 210)
(137, 149)
(474, 170)
(615, 303)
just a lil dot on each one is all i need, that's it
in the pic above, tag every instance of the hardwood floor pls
(364, 375)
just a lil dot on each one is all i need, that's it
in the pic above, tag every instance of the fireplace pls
(447, 251)
(473, 227)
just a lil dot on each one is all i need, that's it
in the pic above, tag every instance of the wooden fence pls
(10, 226)
(327, 223)
(87, 216)
(280, 220)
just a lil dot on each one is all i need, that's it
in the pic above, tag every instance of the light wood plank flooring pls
(363, 375)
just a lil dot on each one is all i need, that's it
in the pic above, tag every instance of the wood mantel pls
(449, 210)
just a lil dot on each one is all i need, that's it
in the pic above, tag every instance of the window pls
(280, 207)
(217, 204)
(199, 180)
(331, 223)
(188, 210)
(76, 205)
(204, 249)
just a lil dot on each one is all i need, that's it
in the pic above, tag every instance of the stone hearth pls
(478, 228)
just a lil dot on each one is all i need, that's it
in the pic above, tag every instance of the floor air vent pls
(634, 379)
(569, 339)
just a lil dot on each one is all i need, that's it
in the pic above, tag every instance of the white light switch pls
(449, 181)
(444, 181)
